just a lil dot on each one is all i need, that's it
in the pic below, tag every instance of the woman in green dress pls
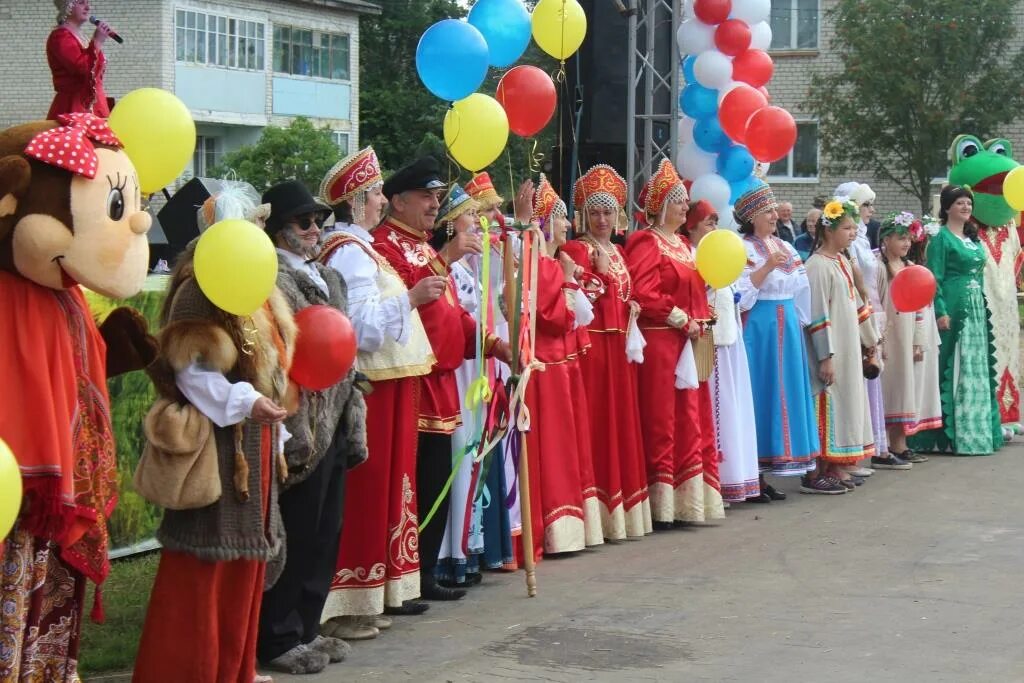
(970, 414)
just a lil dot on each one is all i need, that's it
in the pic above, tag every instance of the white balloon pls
(686, 130)
(761, 36)
(712, 69)
(695, 37)
(688, 12)
(751, 11)
(724, 90)
(727, 219)
(693, 162)
(714, 188)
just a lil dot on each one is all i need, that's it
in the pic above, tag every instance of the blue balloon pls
(735, 163)
(688, 63)
(451, 59)
(738, 189)
(505, 25)
(698, 102)
(708, 134)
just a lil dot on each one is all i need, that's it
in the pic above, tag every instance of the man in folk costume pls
(328, 437)
(377, 567)
(414, 192)
(676, 419)
(62, 224)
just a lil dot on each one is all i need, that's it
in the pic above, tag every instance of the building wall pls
(790, 87)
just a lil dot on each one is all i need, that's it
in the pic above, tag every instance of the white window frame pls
(789, 178)
(206, 145)
(317, 33)
(794, 29)
(237, 39)
(343, 140)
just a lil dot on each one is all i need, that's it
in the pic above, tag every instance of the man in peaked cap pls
(415, 193)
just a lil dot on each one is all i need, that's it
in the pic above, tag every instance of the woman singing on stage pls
(77, 65)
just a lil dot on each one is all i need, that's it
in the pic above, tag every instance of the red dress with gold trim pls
(611, 386)
(556, 489)
(677, 425)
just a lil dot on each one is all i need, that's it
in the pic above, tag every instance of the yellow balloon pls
(1013, 188)
(10, 489)
(721, 258)
(476, 131)
(559, 27)
(158, 134)
(236, 266)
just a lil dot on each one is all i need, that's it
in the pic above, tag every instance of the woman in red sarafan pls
(77, 65)
(609, 379)
(677, 425)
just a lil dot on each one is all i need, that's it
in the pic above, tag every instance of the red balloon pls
(771, 133)
(325, 348)
(754, 67)
(912, 289)
(736, 108)
(529, 99)
(712, 11)
(764, 91)
(732, 37)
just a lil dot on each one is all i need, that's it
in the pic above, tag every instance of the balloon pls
(698, 101)
(528, 97)
(761, 35)
(693, 162)
(721, 258)
(505, 26)
(712, 11)
(451, 59)
(735, 163)
(476, 131)
(726, 89)
(236, 266)
(771, 133)
(1013, 188)
(727, 218)
(708, 134)
(752, 11)
(742, 187)
(912, 289)
(732, 37)
(688, 75)
(736, 108)
(559, 27)
(695, 37)
(325, 348)
(713, 188)
(158, 135)
(764, 91)
(712, 69)
(686, 125)
(10, 490)
(754, 67)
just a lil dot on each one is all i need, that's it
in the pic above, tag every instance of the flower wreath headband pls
(836, 209)
(905, 223)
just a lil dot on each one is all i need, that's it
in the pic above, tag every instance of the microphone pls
(96, 22)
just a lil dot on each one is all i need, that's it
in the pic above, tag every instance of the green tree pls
(915, 73)
(299, 152)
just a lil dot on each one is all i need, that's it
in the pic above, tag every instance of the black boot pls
(430, 590)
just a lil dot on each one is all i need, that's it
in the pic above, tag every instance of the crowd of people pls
(634, 391)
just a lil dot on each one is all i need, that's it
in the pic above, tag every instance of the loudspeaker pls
(177, 218)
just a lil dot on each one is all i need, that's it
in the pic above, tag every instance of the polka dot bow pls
(69, 146)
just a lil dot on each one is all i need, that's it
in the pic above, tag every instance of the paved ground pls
(918, 576)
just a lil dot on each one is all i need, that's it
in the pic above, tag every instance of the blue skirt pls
(787, 433)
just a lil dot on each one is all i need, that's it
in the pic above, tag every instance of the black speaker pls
(177, 219)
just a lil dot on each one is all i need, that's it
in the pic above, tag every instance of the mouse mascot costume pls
(70, 215)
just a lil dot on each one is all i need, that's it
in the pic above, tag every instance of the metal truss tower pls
(652, 112)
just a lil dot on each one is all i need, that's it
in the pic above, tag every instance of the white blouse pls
(788, 281)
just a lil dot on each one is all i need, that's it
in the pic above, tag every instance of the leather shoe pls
(409, 608)
(349, 628)
(429, 590)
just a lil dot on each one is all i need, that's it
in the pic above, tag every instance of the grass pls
(112, 645)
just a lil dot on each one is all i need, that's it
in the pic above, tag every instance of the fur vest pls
(257, 350)
(335, 415)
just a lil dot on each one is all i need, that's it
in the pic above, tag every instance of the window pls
(802, 160)
(202, 38)
(207, 156)
(794, 25)
(302, 52)
(341, 140)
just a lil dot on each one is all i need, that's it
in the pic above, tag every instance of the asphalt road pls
(917, 576)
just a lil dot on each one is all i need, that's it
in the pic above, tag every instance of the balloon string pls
(457, 125)
(536, 158)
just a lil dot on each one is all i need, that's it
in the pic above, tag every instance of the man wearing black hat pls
(327, 438)
(414, 193)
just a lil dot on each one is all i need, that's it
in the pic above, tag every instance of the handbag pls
(704, 354)
(179, 468)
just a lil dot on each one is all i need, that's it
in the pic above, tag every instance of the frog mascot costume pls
(982, 167)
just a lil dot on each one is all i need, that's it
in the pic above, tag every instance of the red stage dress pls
(556, 487)
(77, 67)
(577, 347)
(677, 425)
(611, 391)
